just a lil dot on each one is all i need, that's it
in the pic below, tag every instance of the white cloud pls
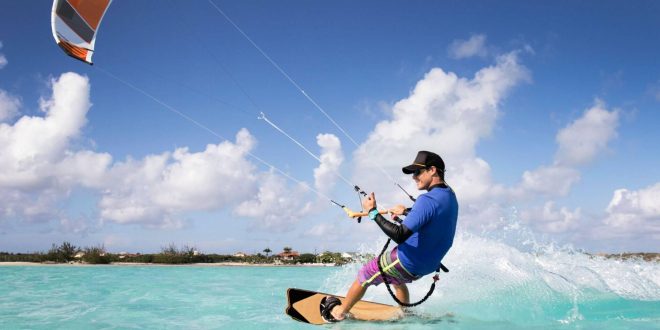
(475, 46)
(579, 143)
(206, 180)
(325, 175)
(31, 207)
(85, 168)
(332, 231)
(451, 115)
(9, 105)
(549, 219)
(632, 213)
(38, 170)
(128, 199)
(322, 230)
(33, 144)
(585, 138)
(158, 187)
(34, 147)
(79, 225)
(275, 206)
(446, 114)
(547, 180)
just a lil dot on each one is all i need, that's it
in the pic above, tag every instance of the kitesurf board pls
(305, 306)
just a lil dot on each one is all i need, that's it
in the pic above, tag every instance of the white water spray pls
(521, 280)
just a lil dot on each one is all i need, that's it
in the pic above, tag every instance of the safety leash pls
(436, 277)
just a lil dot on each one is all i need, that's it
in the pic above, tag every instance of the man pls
(424, 236)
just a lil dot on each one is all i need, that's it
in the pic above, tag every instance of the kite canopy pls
(75, 23)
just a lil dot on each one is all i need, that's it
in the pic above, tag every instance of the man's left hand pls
(369, 202)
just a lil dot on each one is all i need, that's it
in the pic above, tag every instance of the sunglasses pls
(418, 171)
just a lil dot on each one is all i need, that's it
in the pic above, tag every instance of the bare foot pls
(338, 313)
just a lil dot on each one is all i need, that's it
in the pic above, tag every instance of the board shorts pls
(394, 270)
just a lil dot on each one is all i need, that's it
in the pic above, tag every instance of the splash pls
(509, 275)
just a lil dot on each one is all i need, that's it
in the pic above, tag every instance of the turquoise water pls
(491, 285)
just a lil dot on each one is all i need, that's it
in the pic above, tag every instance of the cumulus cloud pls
(446, 114)
(579, 143)
(549, 219)
(34, 147)
(275, 206)
(585, 138)
(85, 168)
(325, 174)
(333, 230)
(547, 180)
(155, 189)
(634, 212)
(451, 115)
(39, 169)
(475, 46)
(30, 207)
(9, 105)
(33, 144)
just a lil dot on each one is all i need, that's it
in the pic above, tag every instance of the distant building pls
(288, 255)
(79, 255)
(124, 255)
(350, 256)
(240, 255)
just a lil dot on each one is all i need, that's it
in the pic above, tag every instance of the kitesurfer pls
(423, 238)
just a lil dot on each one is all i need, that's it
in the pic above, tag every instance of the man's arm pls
(398, 233)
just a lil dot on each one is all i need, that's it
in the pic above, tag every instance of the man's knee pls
(401, 286)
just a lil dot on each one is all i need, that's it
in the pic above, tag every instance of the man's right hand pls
(397, 210)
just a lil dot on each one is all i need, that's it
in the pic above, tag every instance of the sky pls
(546, 115)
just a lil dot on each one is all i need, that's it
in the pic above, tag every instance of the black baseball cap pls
(425, 159)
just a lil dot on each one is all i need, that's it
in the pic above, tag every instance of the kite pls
(75, 23)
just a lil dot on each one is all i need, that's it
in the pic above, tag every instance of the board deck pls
(304, 306)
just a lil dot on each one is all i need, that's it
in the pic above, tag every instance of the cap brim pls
(410, 169)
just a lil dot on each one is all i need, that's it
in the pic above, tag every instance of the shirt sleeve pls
(419, 215)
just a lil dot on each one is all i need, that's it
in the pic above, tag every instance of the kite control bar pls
(352, 214)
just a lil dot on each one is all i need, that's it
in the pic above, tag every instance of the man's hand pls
(369, 202)
(397, 210)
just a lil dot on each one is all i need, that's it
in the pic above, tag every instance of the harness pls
(436, 277)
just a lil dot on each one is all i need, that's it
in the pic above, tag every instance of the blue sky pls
(545, 114)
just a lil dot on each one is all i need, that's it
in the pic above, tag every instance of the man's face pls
(422, 178)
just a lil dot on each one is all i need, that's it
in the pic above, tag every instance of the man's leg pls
(355, 293)
(402, 293)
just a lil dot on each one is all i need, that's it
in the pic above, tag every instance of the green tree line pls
(171, 254)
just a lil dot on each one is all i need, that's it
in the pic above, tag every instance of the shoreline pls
(130, 264)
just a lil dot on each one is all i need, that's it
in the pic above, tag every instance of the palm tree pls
(267, 251)
(287, 249)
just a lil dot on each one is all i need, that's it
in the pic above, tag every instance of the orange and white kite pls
(75, 23)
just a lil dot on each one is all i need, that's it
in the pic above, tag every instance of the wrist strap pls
(373, 213)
